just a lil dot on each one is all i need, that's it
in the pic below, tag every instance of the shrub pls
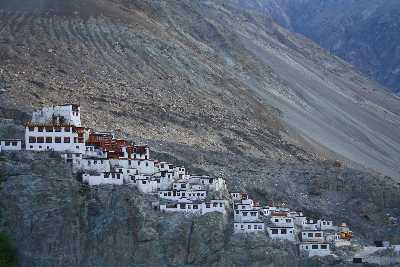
(8, 255)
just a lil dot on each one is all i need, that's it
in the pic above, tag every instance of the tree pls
(8, 255)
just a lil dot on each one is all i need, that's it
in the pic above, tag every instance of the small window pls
(324, 246)
(67, 140)
(147, 164)
(208, 205)
(57, 129)
(67, 129)
(310, 235)
(283, 231)
(276, 220)
(57, 140)
(31, 129)
(288, 220)
(195, 207)
(221, 205)
(318, 235)
(7, 143)
(249, 226)
(143, 182)
(40, 140)
(274, 231)
(14, 143)
(244, 213)
(40, 129)
(314, 247)
(49, 140)
(138, 163)
(32, 139)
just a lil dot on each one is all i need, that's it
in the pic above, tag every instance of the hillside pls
(205, 73)
(364, 33)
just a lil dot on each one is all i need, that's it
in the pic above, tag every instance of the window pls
(182, 206)
(138, 163)
(40, 140)
(253, 214)
(249, 226)
(147, 164)
(215, 205)
(118, 176)
(276, 220)
(106, 175)
(310, 235)
(67, 129)
(183, 194)
(32, 139)
(57, 140)
(49, 129)
(14, 143)
(314, 247)
(40, 129)
(57, 129)
(183, 185)
(143, 182)
(241, 226)
(49, 140)
(221, 205)
(31, 129)
(208, 205)
(324, 246)
(274, 231)
(244, 213)
(283, 231)
(318, 235)
(165, 194)
(67, 140)
(288, 220)
(77, 147)
(7, 143)
(195, 207)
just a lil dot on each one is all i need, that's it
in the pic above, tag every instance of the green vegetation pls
(8, 255)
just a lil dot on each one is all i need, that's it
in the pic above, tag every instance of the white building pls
(246, 215)
(282, 221)
(267, 211)
(92, 165)
(310, 224)
(11, 145)
(40, 137)
(73, 158)
(177, 194)
(319, 249)
(64, 114)
(248, 227)
(102, 178)
(144, 166)
(214, 184)
(238, 196)
(93, 152)
(194, 207)
(325, 225)
(312, 236)
(281, 233)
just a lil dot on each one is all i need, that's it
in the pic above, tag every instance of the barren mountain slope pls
(197, 72)
(363, 32)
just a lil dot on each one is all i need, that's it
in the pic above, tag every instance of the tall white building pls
(56, 128)
(68, 114)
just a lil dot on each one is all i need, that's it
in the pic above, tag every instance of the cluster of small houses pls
(102, 159)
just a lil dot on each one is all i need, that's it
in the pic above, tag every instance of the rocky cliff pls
(54, 220)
